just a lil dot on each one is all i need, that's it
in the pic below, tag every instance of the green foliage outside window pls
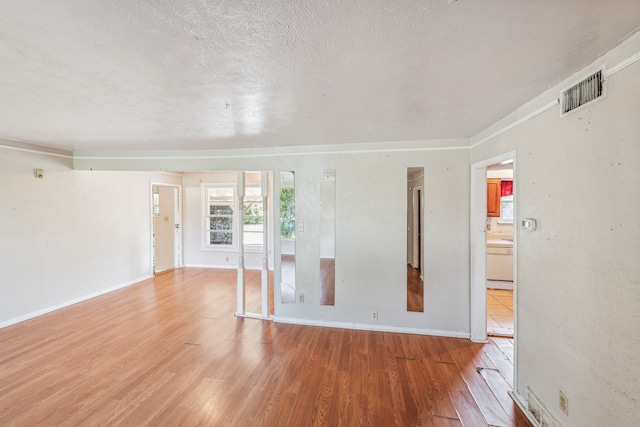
(287, 213)
(253, 213)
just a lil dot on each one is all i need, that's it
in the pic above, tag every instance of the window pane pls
(506, 210)
(220, 194)
(220, 210)
(220, 223)
(221, 238)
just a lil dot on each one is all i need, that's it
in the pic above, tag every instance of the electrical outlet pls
(301, 297)
(564, 403)
(374, 315)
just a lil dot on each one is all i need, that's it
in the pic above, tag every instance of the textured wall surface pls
(578, 286)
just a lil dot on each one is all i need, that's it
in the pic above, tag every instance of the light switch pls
(301, 226)
(528, 224)
(39, 173)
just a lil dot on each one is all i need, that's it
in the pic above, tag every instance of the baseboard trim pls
(369, 327)
(222, 267)
(71, 302)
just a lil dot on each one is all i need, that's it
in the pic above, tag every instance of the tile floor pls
(500, 312)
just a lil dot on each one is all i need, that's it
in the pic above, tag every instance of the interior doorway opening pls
(166, 229)
(500, 241)
(478, 250)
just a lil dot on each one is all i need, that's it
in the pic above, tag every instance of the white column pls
(240, 219)
(264, 181)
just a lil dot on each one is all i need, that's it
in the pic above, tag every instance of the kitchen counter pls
(502, 243)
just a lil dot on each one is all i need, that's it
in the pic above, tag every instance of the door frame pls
(478, 253)
(178, 261)
(478, 246)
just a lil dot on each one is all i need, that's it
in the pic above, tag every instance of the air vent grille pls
(584, 92)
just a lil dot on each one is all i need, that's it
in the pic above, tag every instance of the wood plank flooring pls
(169, 351)
(415, 290)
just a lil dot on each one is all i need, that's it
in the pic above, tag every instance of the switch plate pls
(528, 224)
(38, 173)
(301, 226)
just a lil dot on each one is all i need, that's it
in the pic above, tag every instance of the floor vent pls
(588, 90)
(539, 412)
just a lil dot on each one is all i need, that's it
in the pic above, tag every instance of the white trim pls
(253, 316)
(369, 327)
(33, 148)
(517, 122)
(621, 65)
(224, 267)
(282, 151)
(284, 154)
(71, 302)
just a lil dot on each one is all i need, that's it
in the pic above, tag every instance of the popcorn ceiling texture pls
(114, 75)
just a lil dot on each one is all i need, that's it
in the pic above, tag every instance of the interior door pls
(164, 228)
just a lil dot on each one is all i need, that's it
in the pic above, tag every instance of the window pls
(506, 210)
(219, 215)
(253, 212)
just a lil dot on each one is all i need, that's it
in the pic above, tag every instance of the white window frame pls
(205, 233)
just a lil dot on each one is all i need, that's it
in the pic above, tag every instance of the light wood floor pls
(169, 351)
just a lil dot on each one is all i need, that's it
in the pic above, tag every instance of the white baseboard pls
(369, 327)
(222, 267)
(71, 302)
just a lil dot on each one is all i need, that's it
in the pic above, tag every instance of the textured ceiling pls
(195, 74)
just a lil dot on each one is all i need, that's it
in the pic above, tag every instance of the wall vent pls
(588, 90)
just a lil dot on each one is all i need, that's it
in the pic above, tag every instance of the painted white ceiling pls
(196, 74)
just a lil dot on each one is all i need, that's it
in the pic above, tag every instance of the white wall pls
(370, 231)
(578, 283)
(71, 234)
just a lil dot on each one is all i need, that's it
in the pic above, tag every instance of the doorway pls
(478, 251)
(166, 236)
(478, 247)
(499, 232)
